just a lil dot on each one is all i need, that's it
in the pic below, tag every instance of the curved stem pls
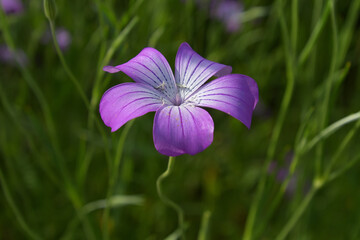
(330, 130)
(165, 199)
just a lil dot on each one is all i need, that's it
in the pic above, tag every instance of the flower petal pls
(126, 101)
(182, 129)
(149, 67)
(234, 94)
(192, 70)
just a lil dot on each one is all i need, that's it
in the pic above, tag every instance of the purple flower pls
(63, 38)
(180, 125)
(282, 174)
(11, 57)
(229, 12)
(11, 6)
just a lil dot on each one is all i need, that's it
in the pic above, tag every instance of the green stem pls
(59, 159)
(317, 184)
(49, 121)
(342, 170)
(314, 35)
(113, 177)
(279, 195)
(204, 229)
(339, 151)
(15, 209)
(330, 130)
(74, 80)
(346, 35)
(299, 142)
(80, 90)
(277, 129)
(103, 60)
(297, 214)
(320, 181)
(328, 87)
(294, 24)
(165, 199)
(110, 52)
(15, 117)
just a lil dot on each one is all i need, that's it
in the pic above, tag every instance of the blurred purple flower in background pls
(12, 6)
(272, 168)
(229, 12)
(283, 172)
(180, 125)
(281, 176)
(11, 57)
(62, 36)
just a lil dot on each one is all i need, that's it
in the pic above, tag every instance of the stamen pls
(182, 86)
(161, 86)
(193, 101)
(163, 100)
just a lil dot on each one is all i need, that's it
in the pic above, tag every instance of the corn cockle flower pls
(230, 13)
(11, 6)
(12, 57)
(180, 125)
(63, 38)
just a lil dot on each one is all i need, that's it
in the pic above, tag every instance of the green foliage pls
(64, 175)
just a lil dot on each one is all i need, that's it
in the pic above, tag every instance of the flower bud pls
(50, 9)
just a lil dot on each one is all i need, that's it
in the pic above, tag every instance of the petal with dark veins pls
(182, 129)
(126, 101)
(234, 94)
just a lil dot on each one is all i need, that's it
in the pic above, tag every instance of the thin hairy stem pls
(166, 200)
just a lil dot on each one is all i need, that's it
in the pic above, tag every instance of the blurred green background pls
(295, 176)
